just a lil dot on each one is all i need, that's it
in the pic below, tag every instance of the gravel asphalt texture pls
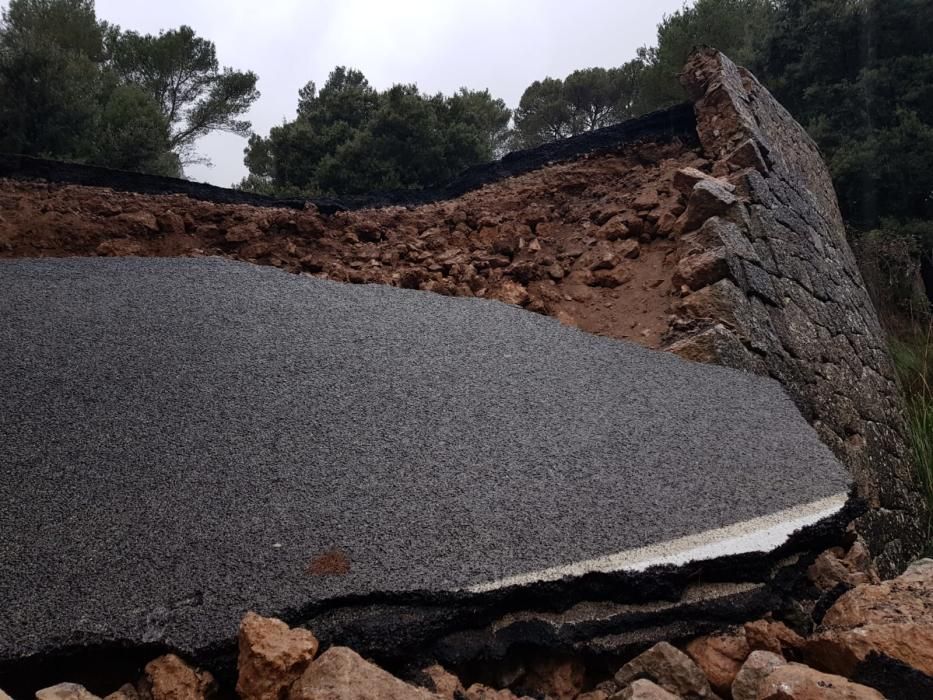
(183, 440)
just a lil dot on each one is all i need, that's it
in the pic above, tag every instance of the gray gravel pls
(180, 438)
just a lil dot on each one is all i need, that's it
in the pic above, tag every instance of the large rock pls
(63, 691)
(643, 689)
(799, 682)
(758, 666)
(272, 656)
(342, 674)
(720, 657)
(894, 618)
(669, 668)
(170, 678)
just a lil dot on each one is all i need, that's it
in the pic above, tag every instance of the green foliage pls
(585, 100)
(133, 135)
(180, 72)
(913, 358)
(350, 138)
(867, 102)
(76, 88)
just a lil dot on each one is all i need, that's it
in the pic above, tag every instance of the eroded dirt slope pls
(590, 242)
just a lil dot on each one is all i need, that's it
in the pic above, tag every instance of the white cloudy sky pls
(441, 45)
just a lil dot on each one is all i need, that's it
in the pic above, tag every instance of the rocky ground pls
(872, 625)
(590, 242)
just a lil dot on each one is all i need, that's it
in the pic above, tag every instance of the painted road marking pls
(761, 534)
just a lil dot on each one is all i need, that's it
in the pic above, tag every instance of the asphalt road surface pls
(182, 440)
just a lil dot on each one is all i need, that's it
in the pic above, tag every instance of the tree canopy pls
(77, 88)
(348, 138)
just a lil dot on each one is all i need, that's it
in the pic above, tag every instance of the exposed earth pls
(592, 243)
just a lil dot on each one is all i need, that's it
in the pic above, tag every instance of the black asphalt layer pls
(183, 440)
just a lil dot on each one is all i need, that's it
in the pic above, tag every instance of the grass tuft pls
(913, 358)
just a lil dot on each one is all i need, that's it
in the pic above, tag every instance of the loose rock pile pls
(762, 660)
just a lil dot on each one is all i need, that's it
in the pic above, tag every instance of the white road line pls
(761, 534)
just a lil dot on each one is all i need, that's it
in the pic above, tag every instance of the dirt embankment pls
(590, 242)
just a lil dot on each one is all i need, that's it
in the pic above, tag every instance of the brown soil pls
(590, 242)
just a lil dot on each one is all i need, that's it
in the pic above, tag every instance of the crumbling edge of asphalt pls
(404, 630)
(661, 126)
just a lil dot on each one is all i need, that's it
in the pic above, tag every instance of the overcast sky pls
(441, 45)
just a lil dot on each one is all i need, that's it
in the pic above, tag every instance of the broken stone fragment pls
(271, 657)
(835, 566)
(747, 155)
(124, 692)
(799, 682)
(709, 198)
(702, 269)
(170, 678)
(644, 689)
(478, 691)
(629, 249)
(62, 691)
(894, 618)
(758, 666)
(720, 657)
(511, 293)
(139, 222)
(243, 232)
(669, 668)
(685, 178)
(559, 679)
(342, 674)
(773, 636)
(440, 681)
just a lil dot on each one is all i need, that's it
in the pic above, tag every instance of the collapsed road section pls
(185, 440)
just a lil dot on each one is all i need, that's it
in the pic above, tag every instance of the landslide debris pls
(278, 662)
(590, 242)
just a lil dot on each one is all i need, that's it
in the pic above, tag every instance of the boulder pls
(272, 656)
(894, 618)
(799, 682)
(65, 691)
(643, 689)
(758, 666)
(170, 678)
(773, 636)
(342, 674)
(720, 657)
(669, 668)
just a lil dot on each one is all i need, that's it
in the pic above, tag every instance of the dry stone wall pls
(772, 286)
